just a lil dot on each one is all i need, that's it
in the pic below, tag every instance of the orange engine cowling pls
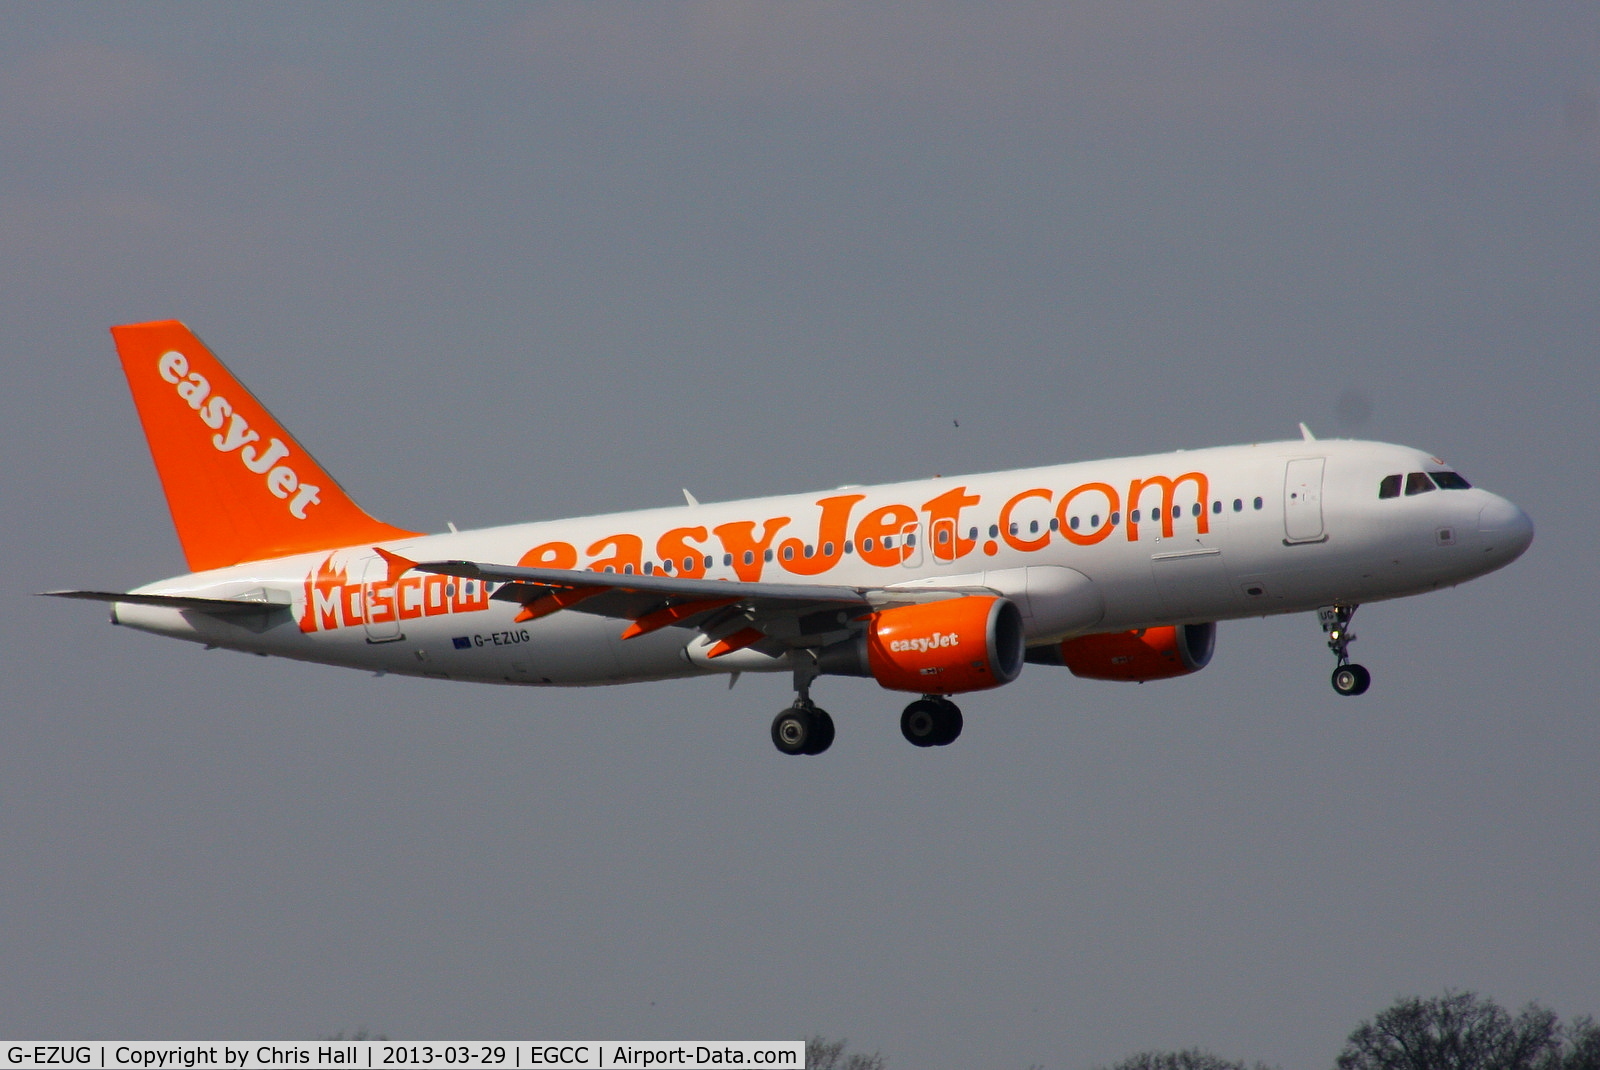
(1145, 654)
(936, 648)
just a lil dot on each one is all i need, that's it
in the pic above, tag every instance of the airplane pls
(1114, 570)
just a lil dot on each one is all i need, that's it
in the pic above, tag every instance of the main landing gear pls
(804, 728)
(1348, 678)
(931, 721)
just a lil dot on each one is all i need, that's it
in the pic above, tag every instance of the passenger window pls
(1390, 487)
(1238, 505)
(1258, 503)
(1418, 483)
(1450, 481)
(1216, 507)
(1073, 523)
(1134, 516)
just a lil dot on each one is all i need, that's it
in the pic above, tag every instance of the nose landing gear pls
(1348, 678)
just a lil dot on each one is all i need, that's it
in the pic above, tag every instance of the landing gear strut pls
(1348, 678)
(931, 721)
(803, 728)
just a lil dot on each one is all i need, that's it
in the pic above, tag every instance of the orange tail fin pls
(239, 486)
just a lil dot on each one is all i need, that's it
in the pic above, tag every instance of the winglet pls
(1305, 433)
(398, 566)
(240, 488)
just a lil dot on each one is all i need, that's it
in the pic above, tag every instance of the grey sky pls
(496, 263)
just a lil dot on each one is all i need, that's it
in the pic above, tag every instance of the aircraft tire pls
(1351, 680)
(950, 722)
(822, 736)
(793, 730)
(920, 723)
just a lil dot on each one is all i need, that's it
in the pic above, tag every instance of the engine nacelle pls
(936, 648)
(1145, 654)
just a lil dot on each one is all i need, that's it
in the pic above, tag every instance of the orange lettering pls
(944, 524)
(739, 539)
(550, 555)
(628, 555)
(350, 601)
(687, 560)
(889, 521)
(434, 599)
(380, 603)
(471, 595)
(832, 530)
(1014, 541)
(1169, 489)
(1099, 533)
(407, 608)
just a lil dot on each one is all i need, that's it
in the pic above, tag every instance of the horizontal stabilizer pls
(221, 607)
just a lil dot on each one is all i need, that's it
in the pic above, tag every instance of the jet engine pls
(1144, 654)
(935, 648)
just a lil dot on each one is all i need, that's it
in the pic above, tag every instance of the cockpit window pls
(1418, 483)
(1390, 487)
(1450, 481)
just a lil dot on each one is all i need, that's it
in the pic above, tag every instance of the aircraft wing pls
(733, 614)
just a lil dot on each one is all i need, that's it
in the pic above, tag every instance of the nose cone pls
(1505, 530)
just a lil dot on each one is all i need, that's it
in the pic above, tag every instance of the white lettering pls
(276, 451)
(306, 495)
(238, 434)
(925, 643)
(282, 480)
(194, 389)
(214, 411)
(217, 410)
(173, 366)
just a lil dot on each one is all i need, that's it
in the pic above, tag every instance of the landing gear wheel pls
(795, 730)
(1351, 679)
(822, 737)
(950, 724)
(920, 723)
(931, 722)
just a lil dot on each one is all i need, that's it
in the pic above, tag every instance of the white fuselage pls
(1191, 536)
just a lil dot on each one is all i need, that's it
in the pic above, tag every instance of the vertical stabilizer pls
(239, 486)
